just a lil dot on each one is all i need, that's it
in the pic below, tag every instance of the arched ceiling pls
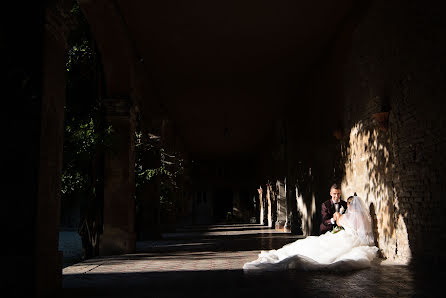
(223, 69)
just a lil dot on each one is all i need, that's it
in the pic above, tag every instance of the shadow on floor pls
(197, 248)
(377, 281)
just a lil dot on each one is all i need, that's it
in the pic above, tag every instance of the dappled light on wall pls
(369, 173)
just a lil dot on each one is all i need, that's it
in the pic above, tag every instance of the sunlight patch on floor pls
(190, 261)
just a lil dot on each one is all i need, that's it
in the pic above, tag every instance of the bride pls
(349, 248)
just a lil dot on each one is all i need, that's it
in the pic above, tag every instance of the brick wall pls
(388, 57)
(397, 64)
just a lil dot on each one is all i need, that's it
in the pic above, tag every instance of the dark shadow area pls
(375, 226)
(378, 281)
(179, 245)
(223, 204)
(228, 243)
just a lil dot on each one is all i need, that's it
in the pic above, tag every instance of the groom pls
(330, 207)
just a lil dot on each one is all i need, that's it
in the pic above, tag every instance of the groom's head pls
(335, 192)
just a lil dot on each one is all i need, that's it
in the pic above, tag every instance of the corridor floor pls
(206, 261)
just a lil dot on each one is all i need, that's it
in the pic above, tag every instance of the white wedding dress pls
(348, 249)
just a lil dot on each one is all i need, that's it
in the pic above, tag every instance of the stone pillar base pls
(116, 241)
(280, 226)
(287, 228)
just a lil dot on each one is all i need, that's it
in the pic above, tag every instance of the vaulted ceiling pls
(224, 69)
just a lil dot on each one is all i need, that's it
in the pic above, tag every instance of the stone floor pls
(206, 261)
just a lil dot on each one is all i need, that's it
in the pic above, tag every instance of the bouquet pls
(336, 229)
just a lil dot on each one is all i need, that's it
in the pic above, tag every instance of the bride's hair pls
(350, 199)
(357, 220)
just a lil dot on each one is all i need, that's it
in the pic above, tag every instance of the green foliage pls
(79, 55)
(72, 181)
(82, 140)
(84, 133)
(172, 170)
(87, 136)
(169, 169)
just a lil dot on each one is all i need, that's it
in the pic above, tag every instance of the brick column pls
(119, 181)
(269, 207)
(281, 206)
(48, 259)
(262, 206)
(293, 219)
(273, 197)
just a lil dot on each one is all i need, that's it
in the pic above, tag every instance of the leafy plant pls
(168, 170)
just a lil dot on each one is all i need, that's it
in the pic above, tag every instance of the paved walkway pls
(206, 261)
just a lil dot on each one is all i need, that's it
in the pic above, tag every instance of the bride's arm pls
(339, 219)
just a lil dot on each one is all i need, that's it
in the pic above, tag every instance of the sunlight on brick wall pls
(368, 172)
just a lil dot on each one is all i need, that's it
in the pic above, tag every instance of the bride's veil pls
(357, 220)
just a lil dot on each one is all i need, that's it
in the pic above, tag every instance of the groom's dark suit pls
(327, 211)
